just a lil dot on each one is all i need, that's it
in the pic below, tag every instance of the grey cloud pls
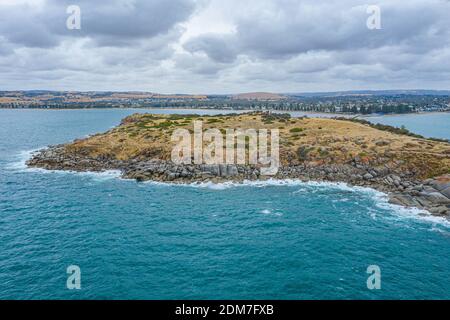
(295, 27)
(5, 47)
(21, 25)
(198, 64)
(109, 23)
(128, 21)
(219, 48)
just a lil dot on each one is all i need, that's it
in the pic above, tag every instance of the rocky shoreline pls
(402, 188)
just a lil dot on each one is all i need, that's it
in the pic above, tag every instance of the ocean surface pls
(431, 125)
(272, 240)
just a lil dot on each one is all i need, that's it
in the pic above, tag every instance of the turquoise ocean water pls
(431, 125)
(273, 240)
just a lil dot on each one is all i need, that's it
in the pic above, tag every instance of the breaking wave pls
(19, 164)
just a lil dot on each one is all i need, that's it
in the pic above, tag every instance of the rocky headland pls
(412, 170)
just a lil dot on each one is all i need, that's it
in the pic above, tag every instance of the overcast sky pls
(224, 46)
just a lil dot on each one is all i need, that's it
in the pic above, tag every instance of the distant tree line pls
(339, 104)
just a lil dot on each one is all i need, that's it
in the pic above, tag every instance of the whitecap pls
(439, 230)
(270, 212)
(402, 212)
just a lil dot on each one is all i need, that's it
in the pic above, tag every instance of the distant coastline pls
(344, 103)
(292, 112)
(374, 115)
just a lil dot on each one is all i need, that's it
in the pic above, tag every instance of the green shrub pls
(302, 152)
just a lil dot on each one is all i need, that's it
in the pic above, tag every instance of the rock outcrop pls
(403, 189)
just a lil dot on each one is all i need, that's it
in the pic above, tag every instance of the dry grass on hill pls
(302, 140)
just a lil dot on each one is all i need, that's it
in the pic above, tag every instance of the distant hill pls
(39, 98)
(371, 93)
(258, 96)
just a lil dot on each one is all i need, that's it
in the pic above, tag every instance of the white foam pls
(443, 232)
(24, 156)
(409, 212)
(381, 199)
(21, 159)
(271, 213)
(100, 176)
(341, 186)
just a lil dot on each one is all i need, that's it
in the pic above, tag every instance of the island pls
(412, 170)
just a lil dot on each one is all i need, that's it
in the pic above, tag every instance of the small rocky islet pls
(412, 170)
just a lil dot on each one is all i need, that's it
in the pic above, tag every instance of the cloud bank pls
(213, 46)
